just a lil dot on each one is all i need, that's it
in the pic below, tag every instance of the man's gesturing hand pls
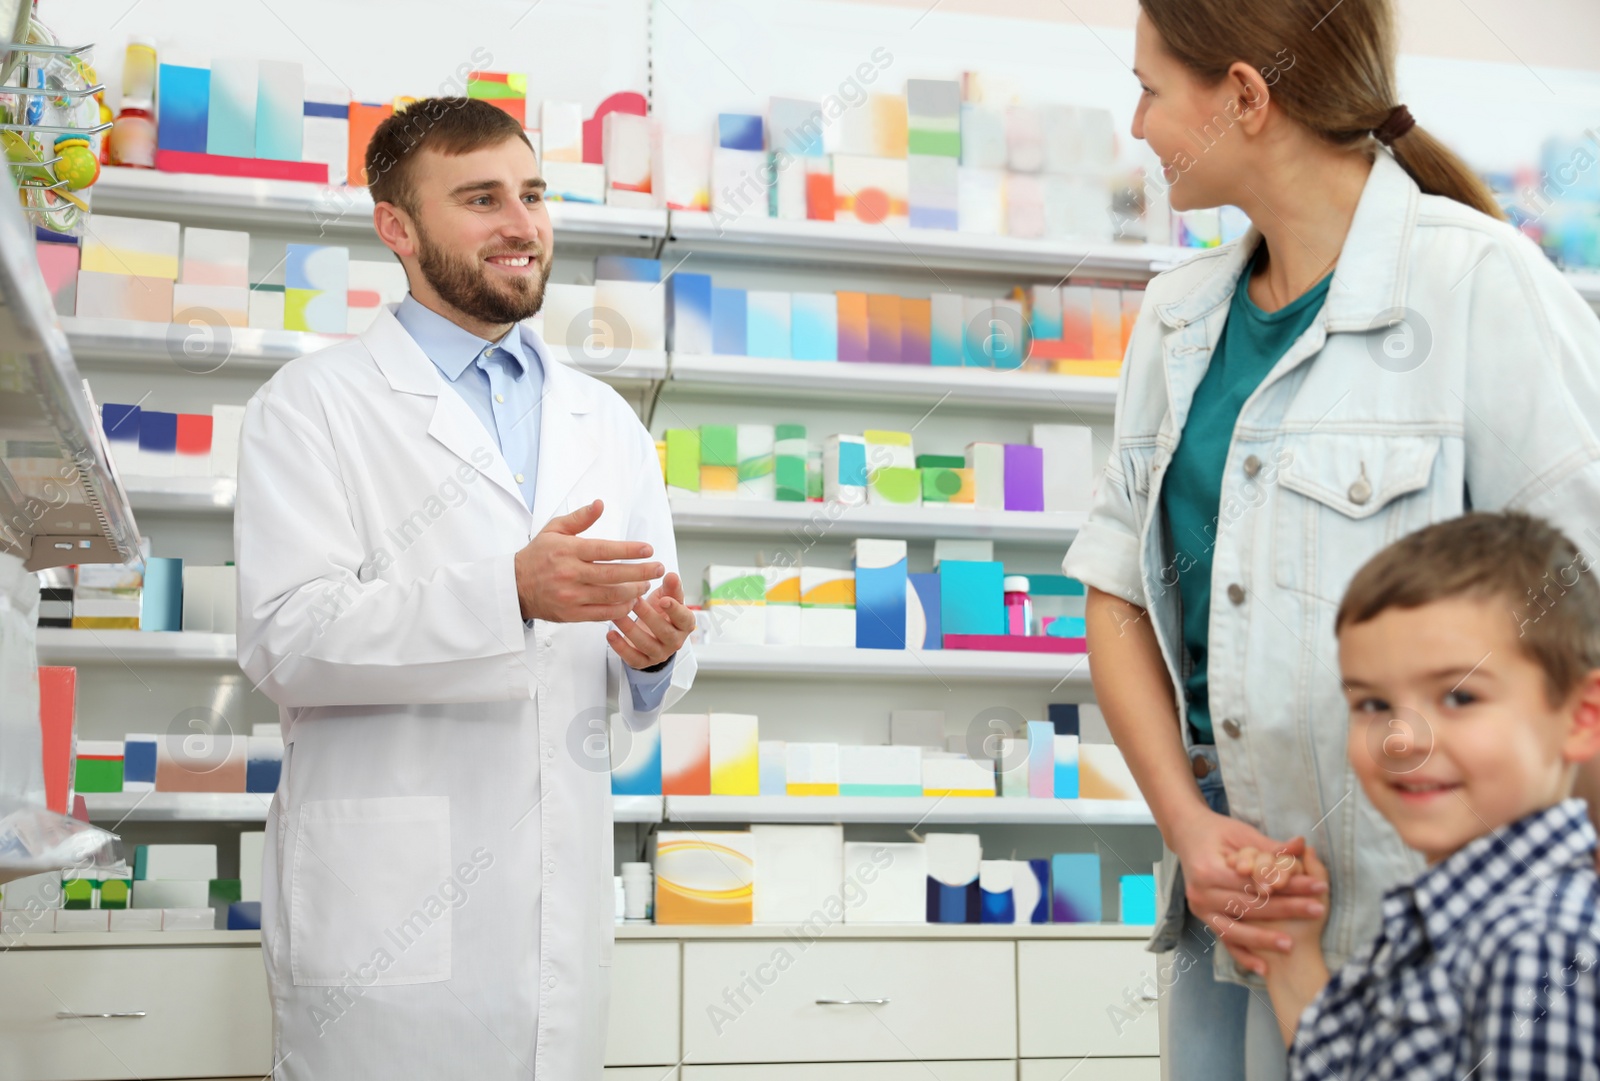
(662, 625)
(565, 578)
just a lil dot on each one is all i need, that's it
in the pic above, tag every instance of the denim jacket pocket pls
(1341, 498)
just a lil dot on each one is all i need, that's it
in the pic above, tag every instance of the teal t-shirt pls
(1252, 343)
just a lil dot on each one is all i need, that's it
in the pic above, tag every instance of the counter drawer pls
(206, 1013)
(643, 1022)
(1087, 997)
(860, 1071)
(759, 1001)
(1091, 1069)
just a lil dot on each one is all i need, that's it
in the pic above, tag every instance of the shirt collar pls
(1534, 849)
(451, 347)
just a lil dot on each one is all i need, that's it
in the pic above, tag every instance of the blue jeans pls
(1216, 1031)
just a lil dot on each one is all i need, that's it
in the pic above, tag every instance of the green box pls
(224, 892)
(941, 461)
(791, 479)
(77, 893)
(97, 775)
(897, 484)
(939, 484)
(683, 458)
(114, 893)
(719, 445)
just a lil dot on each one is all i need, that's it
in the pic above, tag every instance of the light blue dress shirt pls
(503, 383)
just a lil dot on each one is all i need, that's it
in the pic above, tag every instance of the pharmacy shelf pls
(116, 807)
(909, 810)
(636, 808)
(181, 495)
(60, 645)
(958, 388)
(99, 940)
(185, 348)
(642, 931)
(850, 243)
(318, 209)
(1050, 669)
(818, 521)
(806, 933)
(202, 350)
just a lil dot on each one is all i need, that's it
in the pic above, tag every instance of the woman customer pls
(1380, 351)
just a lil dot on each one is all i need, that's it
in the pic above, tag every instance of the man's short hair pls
(1508, 558)
(444, 125)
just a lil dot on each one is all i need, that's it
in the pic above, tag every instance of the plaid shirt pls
(1486, 967)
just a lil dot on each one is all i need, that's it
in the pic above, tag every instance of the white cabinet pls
(789, 1001)
(644, 1006)
(1087, 997)
(188, 1012)
(1091, 1069)
(858, 1071)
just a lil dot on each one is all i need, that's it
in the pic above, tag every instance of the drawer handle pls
(852, 1002)
(1149, 998)
(65, 1016)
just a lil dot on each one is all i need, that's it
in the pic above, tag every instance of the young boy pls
(1470, 653)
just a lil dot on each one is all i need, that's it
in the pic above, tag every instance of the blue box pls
(244, 916)
(1138, 894)
(972, 597)
(122, 422)
(158, 432)
(689, 314)
(138, 760)
(740, 131)
(880, 594)
(1075, 887)
(161, 600)
(636, 760)
(626, 268)
(729, 325)
(1064, 718)
(926, 588)
(814, 326)
(183, 100)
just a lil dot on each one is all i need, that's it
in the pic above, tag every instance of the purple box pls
(1024, 477)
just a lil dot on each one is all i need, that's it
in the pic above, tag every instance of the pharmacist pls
(451, 551)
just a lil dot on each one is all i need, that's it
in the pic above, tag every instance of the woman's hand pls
(1228, 901)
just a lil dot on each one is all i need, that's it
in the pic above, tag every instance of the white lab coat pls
(437, 889)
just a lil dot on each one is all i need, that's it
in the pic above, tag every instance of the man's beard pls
(465, 285)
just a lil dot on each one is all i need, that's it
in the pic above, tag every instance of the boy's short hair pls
(445, 125)
(1524, 561)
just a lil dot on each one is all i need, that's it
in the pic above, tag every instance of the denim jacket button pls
(1236, 593)
(1231, 727)
(1252, 466)
(1360, 492)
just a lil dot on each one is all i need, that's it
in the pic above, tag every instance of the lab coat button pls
(1252, 466)
(1231, 727)
(549, 752)
(1236, 593)
(551, 982)
(550, 867)
(546, 641)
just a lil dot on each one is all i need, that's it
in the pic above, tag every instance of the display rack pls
(59, 496)
(59, 645)
(1040, 393)
(816, 521)
(117, 807)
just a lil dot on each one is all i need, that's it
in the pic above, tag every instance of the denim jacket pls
(1451, 367)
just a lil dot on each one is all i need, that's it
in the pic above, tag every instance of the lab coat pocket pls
(364, 901)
